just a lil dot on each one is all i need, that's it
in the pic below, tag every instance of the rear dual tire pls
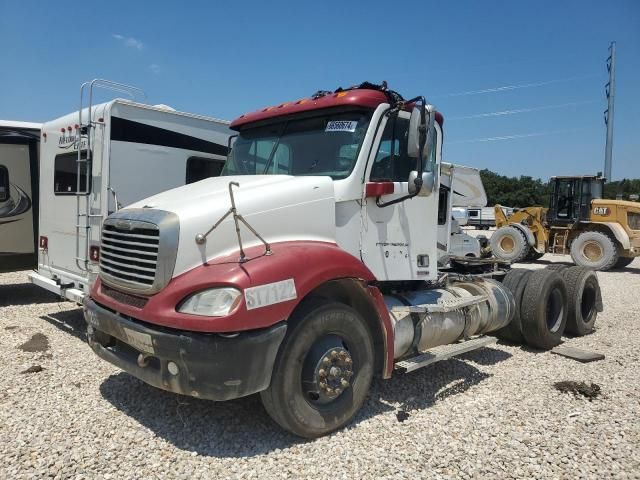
(515, 281)
(550, 301)
(544, 310)
(583, 291)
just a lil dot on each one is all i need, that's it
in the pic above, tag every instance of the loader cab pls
(571, 198)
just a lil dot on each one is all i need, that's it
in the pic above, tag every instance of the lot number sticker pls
(270, 293)
(341, 126)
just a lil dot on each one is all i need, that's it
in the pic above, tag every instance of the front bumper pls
(203, 365)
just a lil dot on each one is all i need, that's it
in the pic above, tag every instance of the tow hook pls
(143, 360)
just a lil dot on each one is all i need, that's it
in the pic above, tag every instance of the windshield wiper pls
(274, 148)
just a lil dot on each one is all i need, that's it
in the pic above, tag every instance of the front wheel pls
(509, 243)
(323, 371)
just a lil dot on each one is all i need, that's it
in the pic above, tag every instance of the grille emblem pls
(124, 224)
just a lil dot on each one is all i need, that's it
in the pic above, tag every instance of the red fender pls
(309, 263)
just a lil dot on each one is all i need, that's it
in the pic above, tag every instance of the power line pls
(522, 110)
(505, 88)
(517, 136)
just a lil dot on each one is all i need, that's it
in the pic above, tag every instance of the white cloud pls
(129, 42)
(155, 68)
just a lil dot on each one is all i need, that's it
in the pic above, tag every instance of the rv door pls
(18, 169)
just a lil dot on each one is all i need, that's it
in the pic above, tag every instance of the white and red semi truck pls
(308, 267)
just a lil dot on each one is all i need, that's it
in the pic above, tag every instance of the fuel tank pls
(445, 315)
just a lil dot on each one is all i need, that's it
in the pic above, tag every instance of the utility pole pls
(610, 91)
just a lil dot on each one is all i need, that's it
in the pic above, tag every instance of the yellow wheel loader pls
(599, 234)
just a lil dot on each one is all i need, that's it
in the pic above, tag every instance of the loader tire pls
(594, 250)
(328, 344)
(515, 281)
(509, 244)
(583, 292)
(544, 309)
(623, 262)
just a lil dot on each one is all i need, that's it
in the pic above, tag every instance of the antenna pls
(610, 91)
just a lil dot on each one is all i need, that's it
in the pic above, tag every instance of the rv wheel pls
(544, 309)
(323, 371)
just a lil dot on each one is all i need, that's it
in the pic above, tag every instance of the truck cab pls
(292, 273)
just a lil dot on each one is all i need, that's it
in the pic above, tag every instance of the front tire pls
(594, 250)
(509, 243)
(323, 370)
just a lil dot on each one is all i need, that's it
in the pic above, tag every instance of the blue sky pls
(225, 58)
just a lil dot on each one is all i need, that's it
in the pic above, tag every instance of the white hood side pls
(279, 207)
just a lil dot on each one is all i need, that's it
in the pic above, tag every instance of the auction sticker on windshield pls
(341, 126)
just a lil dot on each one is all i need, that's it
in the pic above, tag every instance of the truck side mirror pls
(419, 144)
(413, 141)
(420, 131)
(428, 183)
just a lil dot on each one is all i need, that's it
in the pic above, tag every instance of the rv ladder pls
(86, 130)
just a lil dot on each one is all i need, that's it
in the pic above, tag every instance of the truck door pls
(399, 241)
(17, 232)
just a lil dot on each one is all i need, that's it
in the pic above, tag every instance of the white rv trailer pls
(112, 155)
(19, 143)
(460, 186)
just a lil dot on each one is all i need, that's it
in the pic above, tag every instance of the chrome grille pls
(138, 250)
(130, 254)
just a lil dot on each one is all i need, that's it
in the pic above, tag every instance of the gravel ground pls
(492, 413)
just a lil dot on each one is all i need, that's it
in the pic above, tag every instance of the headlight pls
(215, 302)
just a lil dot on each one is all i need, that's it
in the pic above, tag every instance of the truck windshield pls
(325, 145)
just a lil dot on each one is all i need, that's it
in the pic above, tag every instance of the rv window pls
(4, 184)
(65, 179)
(199, 168)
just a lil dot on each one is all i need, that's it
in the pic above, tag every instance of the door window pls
(199, 168)
(4, 184)
(392, 164)
(65, 177)
(565, 199)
